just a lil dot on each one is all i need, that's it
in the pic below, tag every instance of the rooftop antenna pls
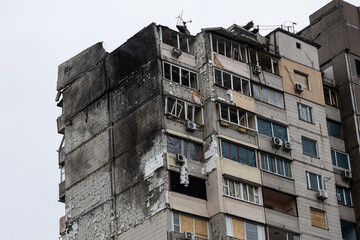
(181, 24)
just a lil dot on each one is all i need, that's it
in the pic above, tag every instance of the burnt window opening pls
(280, 202)
(266, 62)
(183, 110)
(237, 116)
(180, 75)
(331, 97)
(190, 149)
(196, 187)
(298, 45)
(232, 82)
(229, 49)
(357, 63)
(178, 40)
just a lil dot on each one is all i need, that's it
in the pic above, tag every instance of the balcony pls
(282, 220)
(60, 125)
(180, 236)
(62, 192)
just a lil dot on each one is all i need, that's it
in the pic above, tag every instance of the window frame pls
(238, 110)
(309, 113)
(193, 217)
(239, 145)
(188, 144)
(319, 181)
(62, 173)
(341, 190)
(305, 75)
(256, 191)
(310, 140)
(256, 61)
(325, 217)
(215, 42)
(272, 128)
(277, 160)
(242, 79)
(332, 93)
(186, 105)
(336, 161)
(180, 75)
(276, 93)
(337, 124)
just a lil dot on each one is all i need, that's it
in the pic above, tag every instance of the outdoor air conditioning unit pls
(338, 197)
(277, 142)
(176, 52)
(180, 158)
(299, 88)
(189, 236)
(190, 126)
(287, 145)
(257, 69)
(322, 194)
(347, 174)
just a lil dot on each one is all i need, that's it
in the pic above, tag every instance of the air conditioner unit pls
(277, 141)
(190, 126)
(338, 197)
(347, 174)
(176, 52)
(180, 158)
(257, 69)
(287, 145)
(189, 235)
(322, 194)
(299, 88)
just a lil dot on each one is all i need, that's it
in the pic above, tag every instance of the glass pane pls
(256, 195)
(236, 84)
(319, 181)
(327, 96)
(243, 155)
(263, 161)
(231, 188)
(167, 71)
(313, 181)
(195, 151)
(286, 170)
(193, 80)
(251, 231)
(309, 147)
(224, 112)
(256, 93)
(347, 197)
(237, 190)
(228, 49)
(264, 96)
(234, 153)
(272, 100)
(333, 159)
(272, 164)
(245, 192)
(214, 42)
(225, 149)
(218, 77)
(264, 127)
(246, 87)
(334, 129)
(252, 158)
(176, 74)
(174, 145)
(185, 148)
(278, 166)
(185, 78)
(243, 54)
(342, 160)
(333, 98)
(279, 100)
(303, 113)
(221, 46)
(251, 194)
(227, 80)
(280, 131)
(236, 52)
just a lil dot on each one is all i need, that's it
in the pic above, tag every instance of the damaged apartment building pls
(223, 135)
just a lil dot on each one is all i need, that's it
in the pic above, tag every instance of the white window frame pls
(62, 173)
(215, 37)
(232, 81)
(180, 75)
(337, 165)
(245, 117)
(318, 181)
(256, 190)
(230, 230)
(343, 193)
(330, 97)
(272, 128)
(282, 161)
(186, 106)
(267, 91)
(309, 113)
(193, 219)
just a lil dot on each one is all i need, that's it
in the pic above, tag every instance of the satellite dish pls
(181, 24)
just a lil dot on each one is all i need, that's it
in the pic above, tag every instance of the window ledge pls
(238, 199)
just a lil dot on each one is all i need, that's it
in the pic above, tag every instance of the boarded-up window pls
(302, 79)
(186, 223)
(318, 218)
(238, 228)
(244, 230)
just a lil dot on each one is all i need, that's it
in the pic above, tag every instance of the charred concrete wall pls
(113, 107)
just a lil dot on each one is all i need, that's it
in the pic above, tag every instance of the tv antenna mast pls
(181, 24)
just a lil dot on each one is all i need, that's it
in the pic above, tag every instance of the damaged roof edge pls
(297, 36)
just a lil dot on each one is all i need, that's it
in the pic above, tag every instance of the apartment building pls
(222, 135)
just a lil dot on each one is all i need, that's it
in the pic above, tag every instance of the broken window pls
(62, 173)
(318, 218)
(232, 82)
(278, 234)
(229, 49)
(241, 229)
(178, 40)
(271, 129)
(340, 160)
(313, 181)
(345, 196)
(237, 116)
(279, 201)
(302, 78)
(238, 153)
(180, 75)
(268, 95)
(305, 113)
(187, 223)
(309, 147)
(190, 149)
(331, 97)
(266, 62)
(334, 128)
(275, 165)
(242, 191)
(196, 187)
(183, 110)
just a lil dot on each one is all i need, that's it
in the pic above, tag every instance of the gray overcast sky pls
(37, 36)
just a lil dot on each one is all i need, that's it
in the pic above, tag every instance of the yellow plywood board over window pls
(238, 229)
(318, 218)
(243, 101)
(201, 228)
(186, 224)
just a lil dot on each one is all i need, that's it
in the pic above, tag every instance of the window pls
(279, 201)
(229, 49)
(309, 147)
(241, 229)
(272, 129)
(345, 196)
(318, 218)
(241, 191)
(331, 97)
(180, 41)
(266, 62)
(357, 64)
(237, 116)
(187, 223)
(180, 75)
(334, 128)
(62, 173)
(232, 82)
(302, 79)
(340, 160)
(305, 113)
(298, 45)
(277, 234)
(275, 165)
(183, 110)
(348, 230)
(190, 149)
(313, 181)
(238, 153)
(268, 95)
(196, 187)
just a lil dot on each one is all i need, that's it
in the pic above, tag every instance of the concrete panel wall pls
(244, 210)
(277, 182)
(240, 171)
(232, 66)
(281, 220)
(268, 79)
(183, 203)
